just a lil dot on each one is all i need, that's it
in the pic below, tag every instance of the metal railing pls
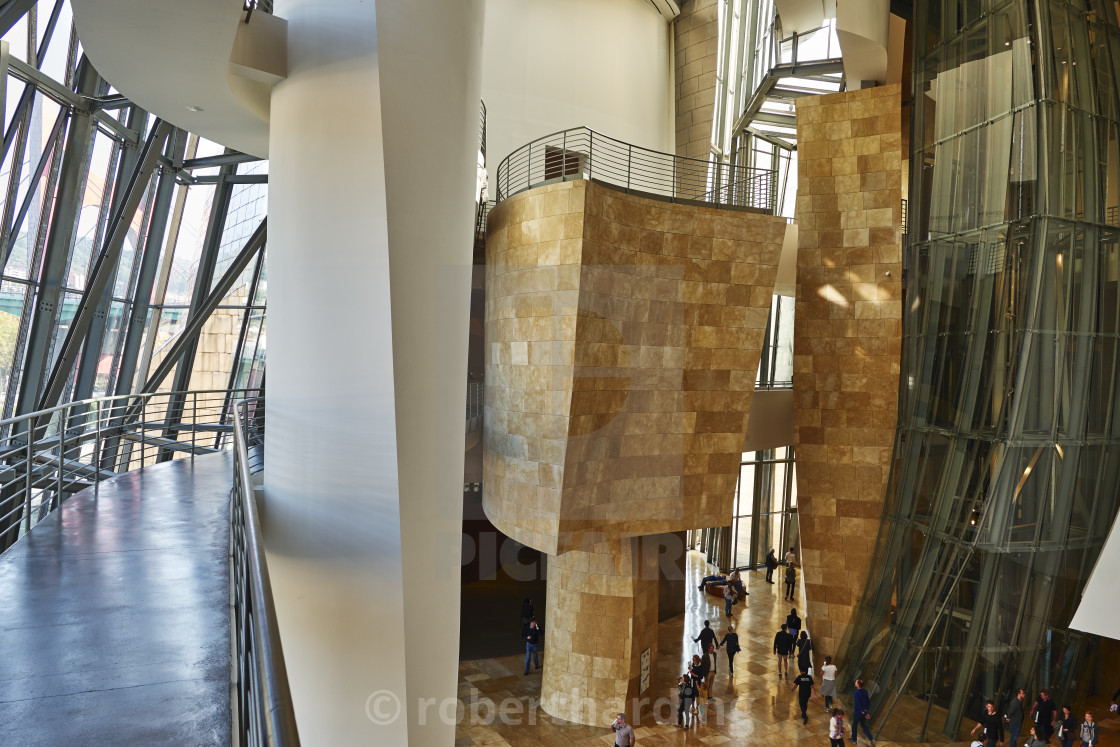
(248, 6)
(48, 455)
(262, 707)
(583, 153)
(475, 392)
(482, 129)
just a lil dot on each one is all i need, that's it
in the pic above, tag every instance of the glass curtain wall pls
(70, 145)
(765, 508)
(1006, 458)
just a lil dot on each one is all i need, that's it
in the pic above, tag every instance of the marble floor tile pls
(752, 708)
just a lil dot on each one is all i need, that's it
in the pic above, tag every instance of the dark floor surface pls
(490, 625)
(114, 614)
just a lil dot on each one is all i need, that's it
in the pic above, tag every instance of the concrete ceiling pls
(168, 55)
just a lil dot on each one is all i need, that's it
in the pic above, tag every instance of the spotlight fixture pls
(975, 516)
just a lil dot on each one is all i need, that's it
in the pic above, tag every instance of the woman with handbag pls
(1067, 727)
(731, 643)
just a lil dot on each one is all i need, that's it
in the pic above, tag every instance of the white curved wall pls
(549, 65)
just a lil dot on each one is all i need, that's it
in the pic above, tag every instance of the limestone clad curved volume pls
(623, 340)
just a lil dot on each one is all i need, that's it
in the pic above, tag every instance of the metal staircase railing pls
(262, 706)
(48, 455)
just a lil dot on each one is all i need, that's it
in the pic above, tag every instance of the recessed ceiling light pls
(194, 108)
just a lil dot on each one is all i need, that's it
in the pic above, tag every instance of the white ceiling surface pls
(166, 55)
(1099, 611)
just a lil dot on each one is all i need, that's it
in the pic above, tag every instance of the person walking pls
(703, 696)
(804, 648)
(707, 636)
(623, 734)
(1067, 727)
(791, 557)
(710, 662)
(1014, 716)
(1044, 713)
(729, 597)
(771, 564)
(532, 635)
(791, 579)
(687, 692)
(730, 643)
(836, 727)
(696, 670)
(804, 685)
(737, 582)
(992, 726)
(782, 646)
(861, 713)
(1090, 732)
(793, 625)
(828, 683)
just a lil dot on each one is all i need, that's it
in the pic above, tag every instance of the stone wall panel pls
(847, 340)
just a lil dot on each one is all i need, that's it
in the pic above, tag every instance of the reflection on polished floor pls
(500, 704)
(115, 624)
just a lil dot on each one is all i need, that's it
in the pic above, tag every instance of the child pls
(836, 728)
(702, 701)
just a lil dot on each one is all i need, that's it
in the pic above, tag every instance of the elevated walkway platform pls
(116, 618)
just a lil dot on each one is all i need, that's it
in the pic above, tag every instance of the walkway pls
(753, 709)
(114, 614)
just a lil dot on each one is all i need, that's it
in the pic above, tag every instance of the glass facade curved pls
(70, 147)
(1007, 453)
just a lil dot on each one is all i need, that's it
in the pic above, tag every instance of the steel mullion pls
(128, 163)
(75, 166)
(104, 268)
(187, 346)
(164, 276)
(13, 225)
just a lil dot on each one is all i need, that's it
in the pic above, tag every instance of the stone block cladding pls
(696, 45)
(847, 340)
(602, 614)
(623, 337)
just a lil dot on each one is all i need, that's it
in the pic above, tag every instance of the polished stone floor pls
(754, 708)
(114, 614)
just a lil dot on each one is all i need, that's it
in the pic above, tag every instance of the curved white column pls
(373, 147)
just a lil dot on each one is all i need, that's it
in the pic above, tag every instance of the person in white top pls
(791, 557)
(828, 682)
(836, 728)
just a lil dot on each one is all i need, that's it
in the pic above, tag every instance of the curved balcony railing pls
(48, 455)
(262, 712)
(583, 153)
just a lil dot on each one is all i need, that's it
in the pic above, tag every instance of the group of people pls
(1046, 720)
(694, 687)
(790, 561)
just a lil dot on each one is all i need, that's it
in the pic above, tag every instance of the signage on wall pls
(644, 684)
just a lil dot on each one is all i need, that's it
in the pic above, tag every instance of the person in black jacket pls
(992, 724)
(687, 692)
(731, 643)
(1044, 714)
(532, 636)
(771, 564)
(782, 646)
(1067, 727)
(804, 647)
(706, 638)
